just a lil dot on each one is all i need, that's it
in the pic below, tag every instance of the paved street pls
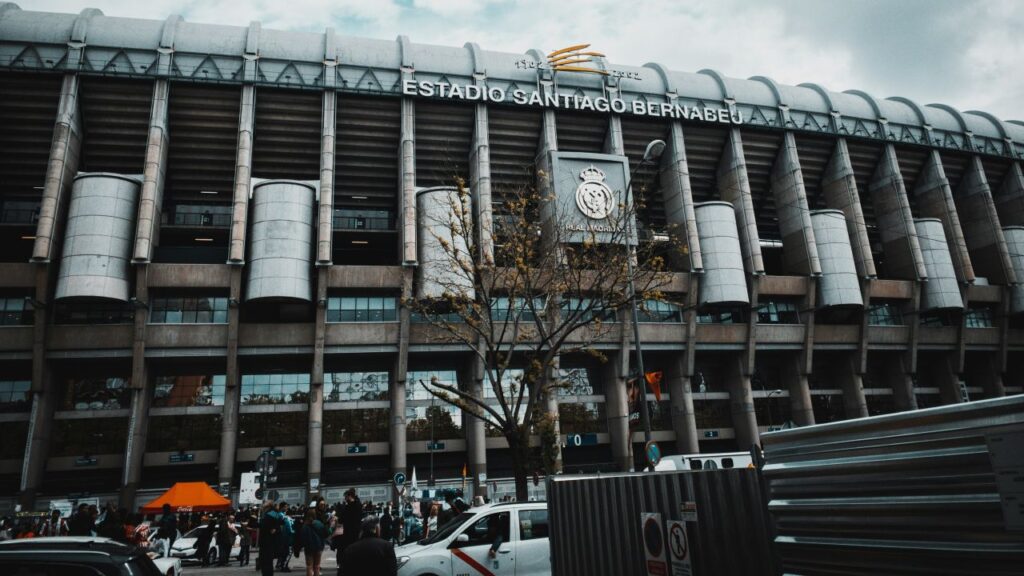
(298, 566)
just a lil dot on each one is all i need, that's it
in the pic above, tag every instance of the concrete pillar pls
(674, 177)
(684, 420)
(839, 185)
(476, 436)
(315, 443)
(232, 393)
(799, 391)
(982, 231)
(480, 184)
(894, 220)
(37, 445)
(65, 150)
(986, 373)
(407, 180)
(935, 200)
(617, 408)
(152, 194)
(399, 377)
(1010, 199)
(902, 383)
(325, 226)
(734, 187)
(741, 404)
(135, 446)
(243, 175)
(799, 252)
(940, 373)
(854, 402)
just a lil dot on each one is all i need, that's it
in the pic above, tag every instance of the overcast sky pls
(967, 53)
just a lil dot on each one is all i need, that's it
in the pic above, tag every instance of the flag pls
(463, 470)
(654, 381)
(413, 479)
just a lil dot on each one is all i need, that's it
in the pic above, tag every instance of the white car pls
(166, 566)
(185, 547)
(463, 545)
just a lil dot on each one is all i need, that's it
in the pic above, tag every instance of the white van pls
(462, 545)
(705, 461)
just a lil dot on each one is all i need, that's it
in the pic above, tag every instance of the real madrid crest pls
(593, 197)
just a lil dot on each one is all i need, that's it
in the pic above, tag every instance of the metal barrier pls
(595, 521)
(908, 493)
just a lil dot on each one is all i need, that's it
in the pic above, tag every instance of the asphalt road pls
(298, 566)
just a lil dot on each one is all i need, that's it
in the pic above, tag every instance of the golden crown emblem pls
(573, 59)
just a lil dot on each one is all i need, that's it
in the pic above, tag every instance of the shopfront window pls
(96, 393)
(275, 389)
(355, 386)
(193, 390)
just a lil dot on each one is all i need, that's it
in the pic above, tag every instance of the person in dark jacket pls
(350, 516)
(206, 535)
(168, 531)
(81, 523)
(370, 555)
(226, 533)
(270, 526)
(310, 538)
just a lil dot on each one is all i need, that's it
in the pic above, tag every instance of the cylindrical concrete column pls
(800, 406)
(839, 284)
(476, 440)
(397, 399)
(724, 280)
(135, 446)
(617, 410)
(684, 420)
(855, 404)
(734, 188)
(445, 218)
(1015, 245)
(941, 292)
(282, 241)
(37, 446)
(229, 432)
(787, 185)
(741, 404)
(98, 239)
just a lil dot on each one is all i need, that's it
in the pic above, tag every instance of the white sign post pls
(654, 544)
(249, 485)
(678, 548)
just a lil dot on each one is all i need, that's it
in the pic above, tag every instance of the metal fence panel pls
(595, 521)
(907, 493)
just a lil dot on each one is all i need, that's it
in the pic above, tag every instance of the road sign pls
(689, 511)
(357, 449)
(711, 433)
(678, 548)
(274, 452)
(266, 463)
(654, 544)
(575, 440)
(248, 488)
(435, 446)
(399, 480)
(181, 457)
(653, 453)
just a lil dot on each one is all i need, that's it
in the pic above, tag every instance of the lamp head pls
(654, 150)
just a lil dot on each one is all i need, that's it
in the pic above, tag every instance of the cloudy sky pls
(966, 53)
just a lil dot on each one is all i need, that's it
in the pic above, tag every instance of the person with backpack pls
(311, 539)
(270, 525)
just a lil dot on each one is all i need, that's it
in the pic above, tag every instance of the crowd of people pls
(362, 534)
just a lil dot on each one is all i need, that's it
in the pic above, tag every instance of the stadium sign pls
(580, 102)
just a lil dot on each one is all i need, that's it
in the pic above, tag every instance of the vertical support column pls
(895, 220)
(674, 177)
(325, 229)
(243, 175)
(991, 377)
(855, 404)
(787, 183)
(800, 405)
(982, 231)
(941, 373)
(935, 200)
(613, 137)
(902, 383)
(62, 165)
(734, 187)
(232, 393)
(1010, 199)
(839, 185)
(407, 180)
(152, 194)
(741, 403)
(476, 437)
(617, 406)
(551, 405)
(315, 443)
(480, 184)
(684, 420)
(400, 370)
(138, 420)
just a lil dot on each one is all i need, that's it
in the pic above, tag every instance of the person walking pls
(431, 522)
(203, 541)
(244, 540)
(370, 555)
(310, 539)
(226, 533)
(168, 531)
(350, 517)
(81, 523)
(269, 527)
(285, 537)
(54, 526)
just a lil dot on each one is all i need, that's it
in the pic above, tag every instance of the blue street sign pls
(274, 452)
(357, 449)
(435, 446)
(400, 479)
(181, 457)
(711, 433)
(653, 453)
(581, 440)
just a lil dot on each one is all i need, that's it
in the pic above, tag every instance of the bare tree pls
(543, 292)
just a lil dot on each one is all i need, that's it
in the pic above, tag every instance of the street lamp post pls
(652, 152)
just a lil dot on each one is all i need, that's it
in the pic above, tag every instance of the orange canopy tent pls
(188, 496)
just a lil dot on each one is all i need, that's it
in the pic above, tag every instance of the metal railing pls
(910, 493)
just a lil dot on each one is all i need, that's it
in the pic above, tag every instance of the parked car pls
(462, 545)
(167, 566)
(75, 556)
(185, 547)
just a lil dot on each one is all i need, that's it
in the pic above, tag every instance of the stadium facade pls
(207, 232)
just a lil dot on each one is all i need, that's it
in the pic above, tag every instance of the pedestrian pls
(111, 526)
(430, 525)
(226, 534)
(350, 515)
(310, 539)
(203, 541)
(81, 523)
(269, 527)
(387, 524)
(285, 537)
(244, 540)
(370, 555)
(55, 525)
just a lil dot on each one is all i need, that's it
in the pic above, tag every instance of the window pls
(14, 312)
(88, 436)
(94, 313)
(275, 389)
(356, 426)
(182, 433)
(283, 429)
(362, 309)
(217, 216)
(189, 310)
(582, 417)
(487, 530)
(98, 393)
(885, 314)
(357, 219)
(938, 319)
(437, 422)
(352, 386)
(827, 408)
(533, 524)
(721, 316)
(585, 310)
(14, 396)
(20, 212)
(503, 309)
(12, 441)
(447, 318)
(979, 317)
(196, 390)
(658, 311)
(576, 382)
(778, 312)
(712, 413)
(660, 414)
